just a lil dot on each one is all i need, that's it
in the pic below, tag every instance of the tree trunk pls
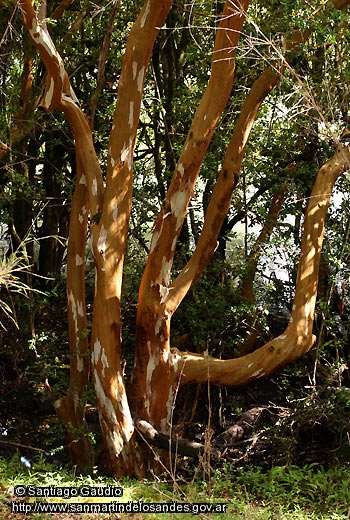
(159, 370)
(155, 370)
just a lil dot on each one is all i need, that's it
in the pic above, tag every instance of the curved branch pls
(297, 338)
(60, 95)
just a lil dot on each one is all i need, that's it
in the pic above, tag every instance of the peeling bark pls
(156, 365)
(109, 242)
(160, 370)
(221, 197)
(70, 408)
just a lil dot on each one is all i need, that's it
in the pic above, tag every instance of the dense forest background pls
(244, 298)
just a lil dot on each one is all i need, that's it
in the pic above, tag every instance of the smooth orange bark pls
(297, 338)
(155, 365)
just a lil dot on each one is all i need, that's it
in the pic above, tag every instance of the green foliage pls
(311, 488)
(12, 269)
(282, 493)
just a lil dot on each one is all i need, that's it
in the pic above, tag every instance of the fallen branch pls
(25, 446)
(174, 444)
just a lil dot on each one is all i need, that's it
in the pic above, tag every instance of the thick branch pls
(57, 82)
(155, 281)
(166, 442)
(154, 362)
(297, 338)
(59, 94)
(110, 236)
(221, 198)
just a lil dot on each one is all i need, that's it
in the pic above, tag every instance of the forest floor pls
(280, 422)
(262, 429)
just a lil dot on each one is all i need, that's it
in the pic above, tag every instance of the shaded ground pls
(277, 421)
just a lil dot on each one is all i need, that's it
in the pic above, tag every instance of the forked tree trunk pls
(159, 369)
(153, 378)
(109, 213)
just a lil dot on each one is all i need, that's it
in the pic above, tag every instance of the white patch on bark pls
(123, 406)
(131, 114)
(42, 37)
(173, 244)
(205, 117)
(74, 310)
(126, 153)
(82, 180)
(78, 260)
(68, 99)
(104, 361)
(181, 169)
(165, 355)
(94, 187)
(257, 372)
(115, 212)
(114, 441)
(151, 365)
(155, 238)
(163, 292)
(250, 365)
(145, 14)
(112, 162)
(120, 396)
(80, 363)
(172, 358)
(165, 270)
(140, 78)
(158, 326)
(80, 308)
(178, 205)
(73, 95)
(106, 404)
(283, 336)
(49, 94)
(101, 243)
(134, 69)
(95, 356)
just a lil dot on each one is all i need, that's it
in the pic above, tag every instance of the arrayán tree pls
(101, 206)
